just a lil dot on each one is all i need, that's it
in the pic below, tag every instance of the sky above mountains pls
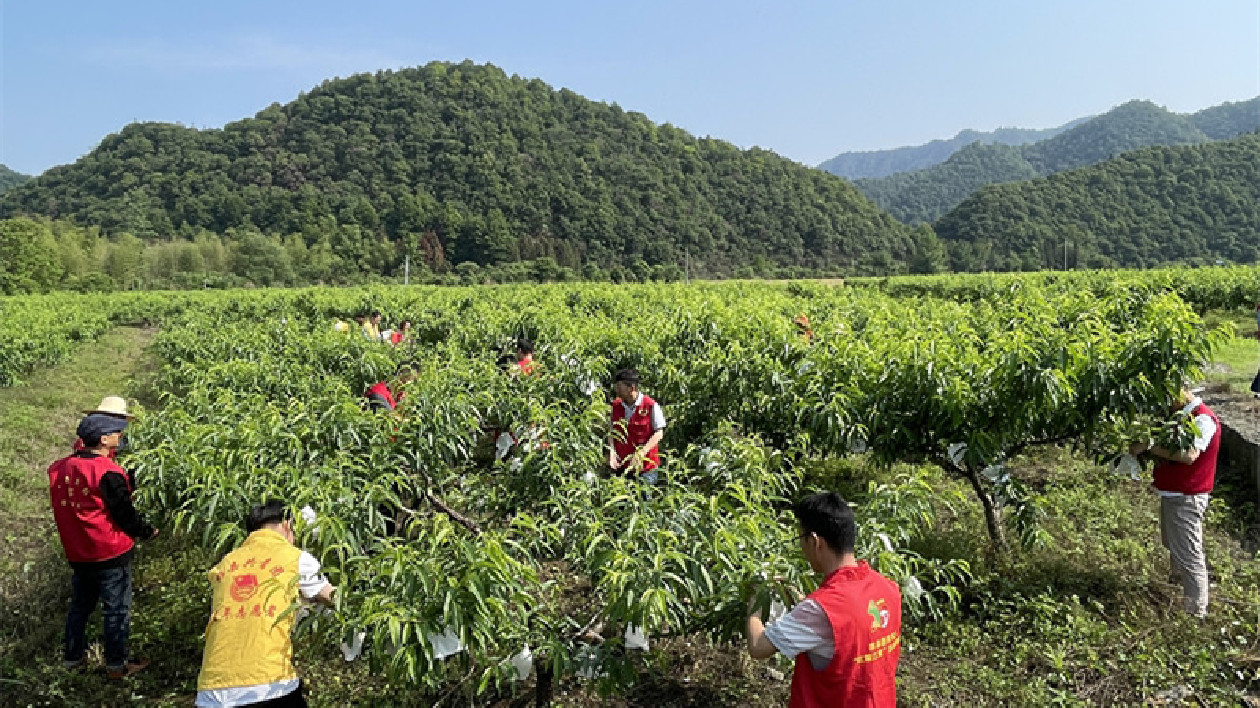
(806, 79)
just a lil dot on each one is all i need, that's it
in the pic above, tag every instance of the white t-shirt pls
(1207, 430)
(310, 584)
(805, 629)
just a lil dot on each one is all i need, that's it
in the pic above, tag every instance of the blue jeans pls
(112, 587)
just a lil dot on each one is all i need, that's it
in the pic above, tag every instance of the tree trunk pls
(992, 514)
(542, 689)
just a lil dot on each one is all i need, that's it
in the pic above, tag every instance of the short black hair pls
(828, 515)
(273, 511)
(376, 313)
(525, 346)
(630, 376)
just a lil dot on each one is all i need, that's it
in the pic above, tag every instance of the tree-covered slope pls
(1190, 203)
(920, 196)
(10, 179)
(461, 162)
(925, 195)
(881, 163)
(1228, 119)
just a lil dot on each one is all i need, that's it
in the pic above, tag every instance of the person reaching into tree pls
(400, 335)
(846, 635)
(524, 357)
(380, 397)
(1184, 480)
(248, 659)
(638, 424)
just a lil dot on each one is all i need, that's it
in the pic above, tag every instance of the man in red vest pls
(638, 424)
(1184, 480)
(846, 636)
(98, 526)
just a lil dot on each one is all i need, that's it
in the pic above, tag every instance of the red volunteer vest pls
(864, 609)
(526, 365)
(1199, 476)
(635, 432)
(88, 533)
(382, 390)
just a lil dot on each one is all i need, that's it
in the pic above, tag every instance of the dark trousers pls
(1255, 383)
(288, 700)
(112, 587)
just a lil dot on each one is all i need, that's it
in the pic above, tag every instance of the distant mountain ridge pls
(1187, 203)
(926, 195)
(881, 163)
(10, 179)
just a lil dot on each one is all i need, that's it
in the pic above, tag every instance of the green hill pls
(925, 195)
(10, 179)
(881, 163)
(1190, 203)
(461, 162)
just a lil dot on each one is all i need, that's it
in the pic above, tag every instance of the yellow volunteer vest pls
(253, 586)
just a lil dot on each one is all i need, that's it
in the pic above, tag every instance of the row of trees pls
(43, 255)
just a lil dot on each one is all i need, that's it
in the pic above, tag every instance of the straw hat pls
(113, 405)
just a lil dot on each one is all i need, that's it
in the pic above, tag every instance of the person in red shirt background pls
(638, 424)
(98, 526)
(379, 395)
(846, 635)
(524, 357)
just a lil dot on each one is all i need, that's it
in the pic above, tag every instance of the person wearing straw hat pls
(98, 526)
(114, 406)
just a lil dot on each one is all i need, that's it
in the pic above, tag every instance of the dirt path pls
(37, 421)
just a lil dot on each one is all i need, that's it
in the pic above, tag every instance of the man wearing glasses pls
(846, 636)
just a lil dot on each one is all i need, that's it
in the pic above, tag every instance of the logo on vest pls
(878, 610)
(244, 587)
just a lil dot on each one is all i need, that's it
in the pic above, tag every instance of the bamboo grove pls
(430, 535)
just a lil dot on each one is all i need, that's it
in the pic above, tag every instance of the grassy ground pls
(1086, 619)
(1237, 361)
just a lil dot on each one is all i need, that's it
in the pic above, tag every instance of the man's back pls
(246, 641)
(864, 610)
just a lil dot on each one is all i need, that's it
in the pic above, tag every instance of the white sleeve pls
(1207, 430)
(310, 581)
(658, 417)
(799, 631)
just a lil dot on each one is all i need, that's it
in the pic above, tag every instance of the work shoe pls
(130, 668)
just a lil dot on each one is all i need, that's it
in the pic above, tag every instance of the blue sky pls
(806, 79)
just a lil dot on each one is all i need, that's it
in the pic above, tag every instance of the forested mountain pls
(455, 163)
(1191, 203)
(1228, 119)
(925, 195)
(881, 163)
(9, 178)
